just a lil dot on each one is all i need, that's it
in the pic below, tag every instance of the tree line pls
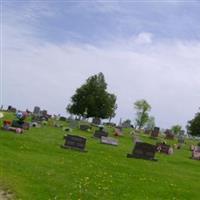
(92, 100)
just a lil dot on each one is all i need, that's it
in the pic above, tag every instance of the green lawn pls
(34, 167)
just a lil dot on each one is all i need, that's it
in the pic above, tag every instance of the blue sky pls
(146, 49)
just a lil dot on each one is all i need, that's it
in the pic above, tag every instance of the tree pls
(150, 124)
(126, 123)
(93, 97)
(142, 107)
(193, 125)
(176, 129)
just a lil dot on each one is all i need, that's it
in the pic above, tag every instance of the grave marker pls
(74, 142)
(164, 148)
(109, 140)
(169, 135)
(73, 124)
(155, 132)
(99, 133)
(143, 150)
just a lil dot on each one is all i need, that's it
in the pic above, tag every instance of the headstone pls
(11, 109)
(118, 131)
(85, 127)
(96, 121)
(155, 132)
(109, 140)
(143, 150)
(181, 139)
(99, 133)
(36, 110)
(74, 142)
(169, 135)
(196, 155)
(73, 124)
(164, 148)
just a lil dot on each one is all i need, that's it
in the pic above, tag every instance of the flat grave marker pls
(109, 140)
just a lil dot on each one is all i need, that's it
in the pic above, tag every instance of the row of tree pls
(92, 100)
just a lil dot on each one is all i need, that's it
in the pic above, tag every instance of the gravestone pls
(74, 142)
(73, 124)
(96, 121)
(181, 139)
(164, 148)
(143, 150)
(99, 133)
(109, 140)
(36, 110)
(196, 155)
(155, 132)
(85, 127)
(11, 109)
(118, 131)
(169, 135)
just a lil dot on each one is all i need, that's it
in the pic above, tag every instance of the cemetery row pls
(141, 149)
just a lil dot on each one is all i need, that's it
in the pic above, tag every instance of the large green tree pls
(142, 108)
(193, 126)
(93, 98)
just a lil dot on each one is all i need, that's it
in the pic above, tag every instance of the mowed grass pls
(34, 167)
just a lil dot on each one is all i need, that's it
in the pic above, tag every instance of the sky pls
(146, 50)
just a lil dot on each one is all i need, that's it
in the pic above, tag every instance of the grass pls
(34, 167)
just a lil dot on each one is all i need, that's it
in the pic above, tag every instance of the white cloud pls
(144, 38)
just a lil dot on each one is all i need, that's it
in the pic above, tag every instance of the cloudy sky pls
(146, 50)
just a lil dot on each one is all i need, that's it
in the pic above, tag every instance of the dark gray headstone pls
(143, 150)
(36, 110)
(109, 140)
(169, 135)
(74, 142)
(155, 132)
(100, 133)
